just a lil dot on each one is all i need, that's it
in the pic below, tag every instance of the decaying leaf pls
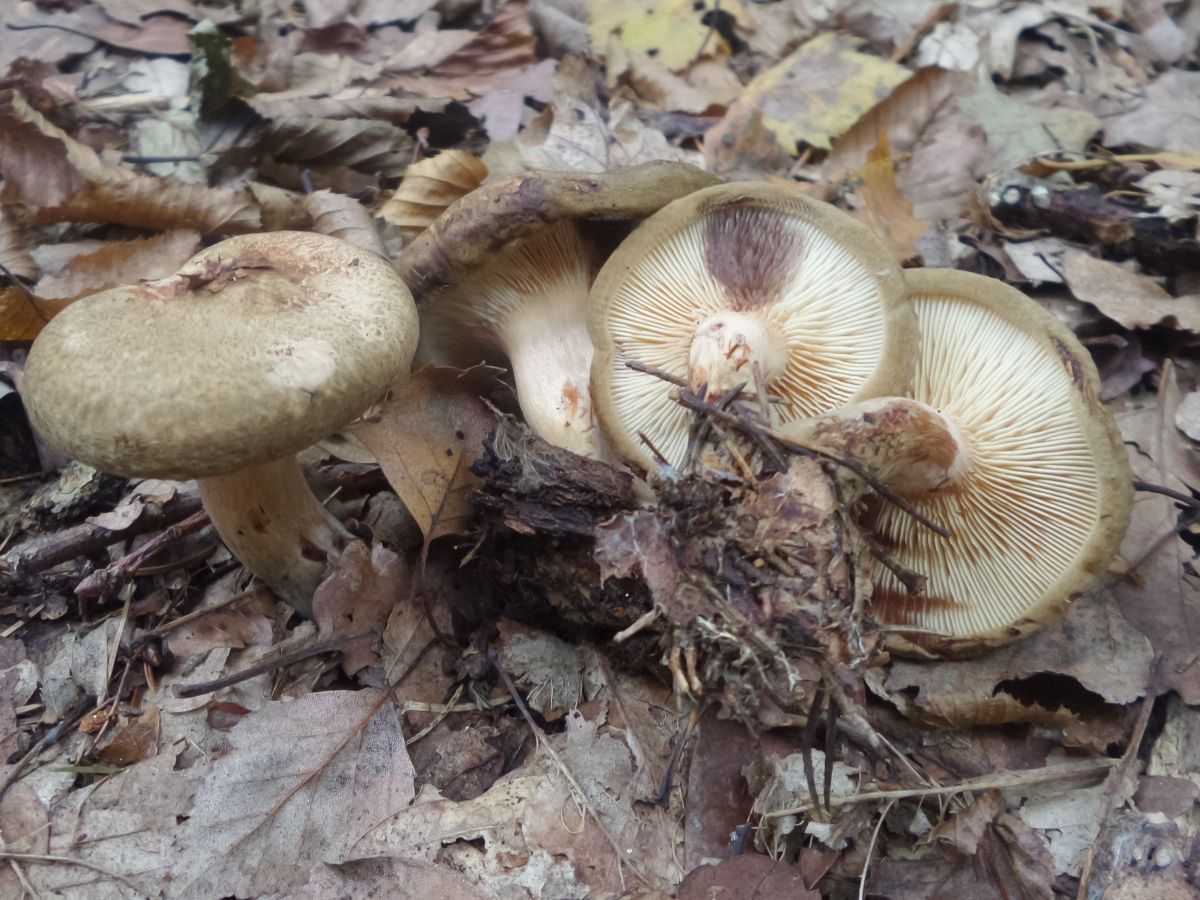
(62, 180)
(301, 782)
(1135, 301)
(426, 438)
(356, 598)
(1018, 131)
(674, 31)
(429, 186)
(1168, 118)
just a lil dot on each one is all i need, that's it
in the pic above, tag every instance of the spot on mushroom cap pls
(257, 347)
(831, 291)
(1046, 497)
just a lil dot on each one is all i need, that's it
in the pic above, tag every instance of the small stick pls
(1148, 488)
(116, 575)
(269, 665)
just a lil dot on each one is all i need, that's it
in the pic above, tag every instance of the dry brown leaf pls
(379, 148)
(300, 782)
(62, 180)
(429, 186)
(501, 106)
(1167, 118)
(904, 116)
(343, 217)
(745, 153)
(23, 315)
(357, 597)
(1133, 300)
(887, 213)
(137, 740)
(426, 437)
(165, 35)
(1161, 594)
(751, 876)
(120, 262)
(505, 44)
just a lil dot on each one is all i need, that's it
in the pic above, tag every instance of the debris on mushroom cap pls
(258, 346)
(736, 275)
(1043, 500)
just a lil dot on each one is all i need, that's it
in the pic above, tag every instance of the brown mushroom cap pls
(257, 347)
(735, 275)
(1042, 499)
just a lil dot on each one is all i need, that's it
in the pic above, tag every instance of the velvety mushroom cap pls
(257, 347)
(1039, 503)
(736, 275)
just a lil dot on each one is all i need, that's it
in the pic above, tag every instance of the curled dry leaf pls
(15, 242)
(431, 185)
(135, 741)
(62, 180)
(343, 217)
(426, 437)
(379, 148)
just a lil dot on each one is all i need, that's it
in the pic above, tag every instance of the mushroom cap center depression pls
(725, 347)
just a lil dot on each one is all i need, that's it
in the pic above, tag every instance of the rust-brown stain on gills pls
(751, 252)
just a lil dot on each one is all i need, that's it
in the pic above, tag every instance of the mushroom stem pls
(551, 361)
(270, 520)
(726, 346)
(904, 443)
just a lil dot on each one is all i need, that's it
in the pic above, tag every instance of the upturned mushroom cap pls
(736, 275)
(504, 274)
(1039, 503)
(257, 347)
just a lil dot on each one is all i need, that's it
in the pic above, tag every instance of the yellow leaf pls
(430, 186)
(671, 31)
(817, 93)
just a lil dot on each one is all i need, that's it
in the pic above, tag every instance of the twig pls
(1019, 778)
(116, 575)
(1120, 773)
(1148, 488)
(268, 665)
(46, 551)
(53, 736)
(580, 796)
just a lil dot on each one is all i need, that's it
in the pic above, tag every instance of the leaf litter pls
(459, 719)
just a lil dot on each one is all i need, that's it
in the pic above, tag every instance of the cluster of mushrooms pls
(957, 391)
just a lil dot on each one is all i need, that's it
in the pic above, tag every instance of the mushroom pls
(1003, 440)
(505, 273)
(255, 348)
(736, 279)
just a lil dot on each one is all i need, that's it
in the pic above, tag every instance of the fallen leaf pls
(674, 31)
(343, 217)
(15, 243)
(370, 879)
(23, 315)
(904, 116)
(1018, 131)
(426, 437)
(431, 185)
(1161, 594)
(817, 93)
(500, 107)
(1135, 301)
(301, 781)
(357, 597)
(371, 146)
(154, 35)
(62, 180)
(135, 741)
(1167, 118)
(120, 262)
(886, 212)
(751, 876)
